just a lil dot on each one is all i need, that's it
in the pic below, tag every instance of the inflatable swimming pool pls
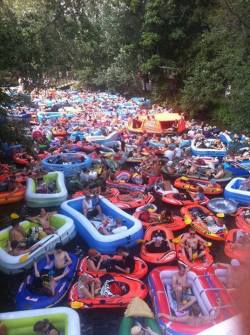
(207, 151)
(69, 163)
(221, 205)
(34, 199)
(64, 232)
(65, 319)
(103, 139)
(239, 169)
(232, 191)
(25, 299)
(94, 239)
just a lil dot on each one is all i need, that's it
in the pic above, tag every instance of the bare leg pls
(178, 294)
(188, 304)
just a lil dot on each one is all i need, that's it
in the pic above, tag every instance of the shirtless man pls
(180, 285)
(193, 244)
(17, 233)
(43, 220)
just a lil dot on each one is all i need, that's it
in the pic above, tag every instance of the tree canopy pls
(195, 53)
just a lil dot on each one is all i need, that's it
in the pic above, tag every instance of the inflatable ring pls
(221, 205)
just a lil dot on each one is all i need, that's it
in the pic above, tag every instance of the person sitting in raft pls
(193, 245)
(88, 286)
(194, 317)
(17, 249)
(91, 206)
(44, 327)
(97, 262)
(126, 264)
(245, 185)
(198, 195)
(159, 243)
(43, 220)
(180, 289)
(220, 173)
(139, 330)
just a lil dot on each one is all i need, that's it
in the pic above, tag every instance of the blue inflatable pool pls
(25, 299)
(104, 243)
(208, 152)
(68, 163)
(233, 191)
(239, 169)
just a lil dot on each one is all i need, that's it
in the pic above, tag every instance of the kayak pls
(64, 319)
(195, 184)
(35, 199)
(233, 192)
(182, 199)
(64, 232)
(234, 249)
(13, 196)
(240, 220)
(133, 288)
(25, 299)
(139, 272)
(126, 235)
(196, 264)
(149, 219)
(131, 200)
(138, 309)
(195, 215)
(158, 257)
(208, 291)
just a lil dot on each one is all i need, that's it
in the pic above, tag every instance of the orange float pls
(22, 158)
(240, 220)
(214, 232)
(182, 199)
(131, 200)
(158, 257)
(135, 288)
(195, 184)
(234, 248)
(58, 132)
(10, 197)
(140, 271)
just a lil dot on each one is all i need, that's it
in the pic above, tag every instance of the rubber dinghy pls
(25, 299)
(21, 323)
(34, 199)
(207, 289)
(127, 235)
(64, 232)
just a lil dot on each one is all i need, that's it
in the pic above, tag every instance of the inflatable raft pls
(233, 192)
(158, 257)
(139, 272)
(34, 199)
(131, 200)
(13, 196)
(239, 168)
(123, 180)
(207, 151)
(64, 232)
(196, 215)
(182, 199)
(70, 163)
(21, 323)
(241, 220)
(195, 184)
(103, 243)
(25, 299)
(206, 288)
(132, 287)
(138, 309)
(237, 245)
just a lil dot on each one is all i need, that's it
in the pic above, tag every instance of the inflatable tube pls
(140, 270)
(25, 299)
(158, 257)
(34, 199)
(233, 192)
(65, 319)
(194, 184)
(94, 239)
(240, 219)
(206, 151)
(64, 232)
(206, 288)
(239, 168)
(221, 205)
(73, 163)
(149, 219)
(196, 215)
(197, 264)
(131, 200)
(182, 199)
(14, 196)
(135, 288)
(234, 249)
